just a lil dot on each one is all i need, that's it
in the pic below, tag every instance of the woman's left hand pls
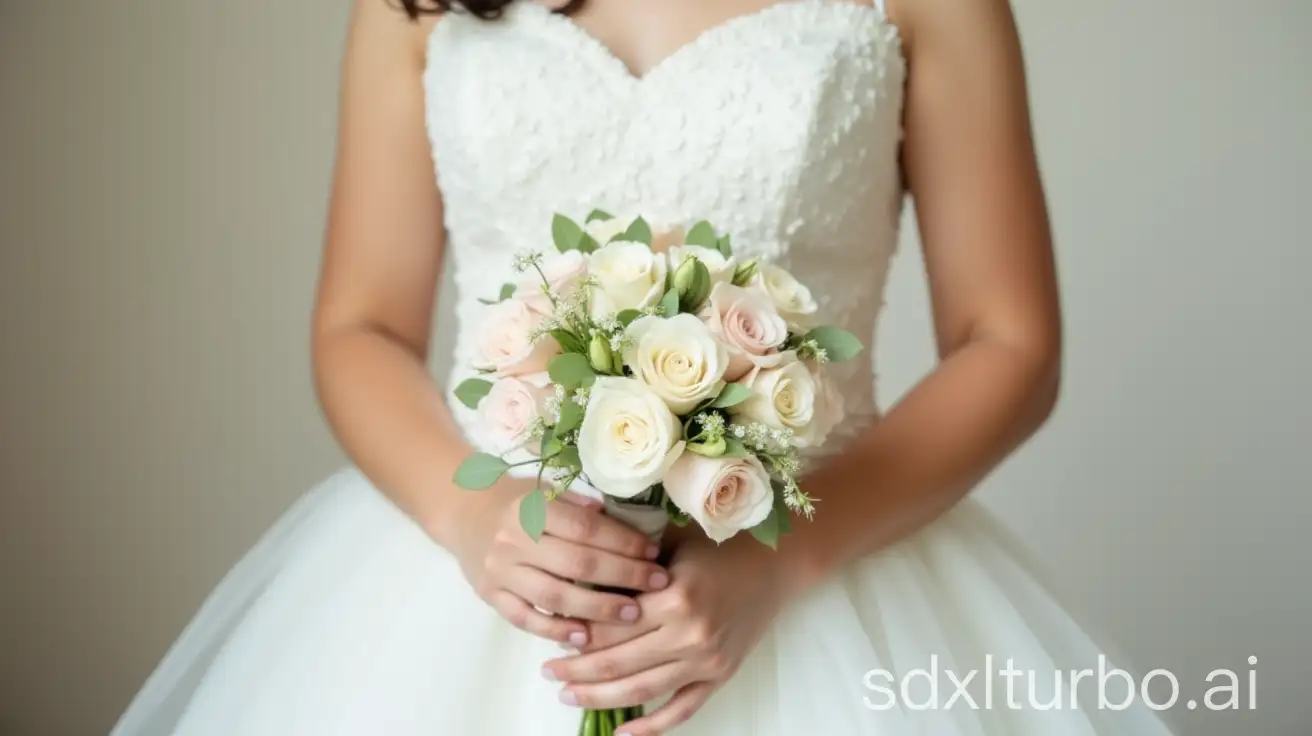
(690, 640)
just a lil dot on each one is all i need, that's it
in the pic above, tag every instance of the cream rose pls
(563, 271)
(509, 340)
(662, 238)
(791, 297)
(511, 408)
(629, 437)
(678, 358)
(628, 276)
(719, 266)
(724, 495)
(792, 397)
(746, 321)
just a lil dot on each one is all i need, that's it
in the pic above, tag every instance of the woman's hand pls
(691, 639)
(521, 578)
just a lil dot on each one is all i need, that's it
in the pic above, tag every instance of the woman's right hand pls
(521, 578)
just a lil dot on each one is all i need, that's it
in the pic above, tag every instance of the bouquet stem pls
(651, 519)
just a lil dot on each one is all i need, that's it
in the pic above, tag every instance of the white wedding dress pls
(782, 127)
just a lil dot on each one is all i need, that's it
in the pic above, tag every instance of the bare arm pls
(970, 165)
(381, 265)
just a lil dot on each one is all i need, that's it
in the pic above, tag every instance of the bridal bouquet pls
(672, 380)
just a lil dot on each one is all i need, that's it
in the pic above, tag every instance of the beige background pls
(163, 175)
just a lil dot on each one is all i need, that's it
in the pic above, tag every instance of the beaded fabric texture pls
(782, 126)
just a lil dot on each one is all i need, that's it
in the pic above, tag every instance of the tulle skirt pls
(345, 619)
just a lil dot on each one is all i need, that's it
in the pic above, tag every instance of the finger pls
(677, 711)
(611, 665)
(577, 524)
(636, 689)
(574, 561)
(524, 617)
(568, 599)
(604, 635)
(582, 501)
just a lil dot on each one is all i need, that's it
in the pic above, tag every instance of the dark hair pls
(485, 9)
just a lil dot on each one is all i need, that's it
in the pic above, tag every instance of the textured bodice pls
(782, 127)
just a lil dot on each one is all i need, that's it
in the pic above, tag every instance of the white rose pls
(724, 495)
(719, 266)
(790, 296)
(678, 358)
(662, 238)
(629, 437)
(511, 408)
(792, 397)
(746, 321)
(628, 276)
(563, 271)
(510, 342)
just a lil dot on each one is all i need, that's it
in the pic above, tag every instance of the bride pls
(387, 601)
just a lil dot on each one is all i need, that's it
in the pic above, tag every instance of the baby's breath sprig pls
(811, 350)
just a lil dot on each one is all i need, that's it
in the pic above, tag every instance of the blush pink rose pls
(746, 321)
(511, 408)
(564, 272)
(509, 340)
(724, 495)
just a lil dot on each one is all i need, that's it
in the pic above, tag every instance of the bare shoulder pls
(978, 31)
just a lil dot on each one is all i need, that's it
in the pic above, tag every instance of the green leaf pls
(551, 444)
(595, 215)
(472, 390)
(736, 448)
(507, 291)
(533, 514)
(670, 303)
(626, 316)
(725, 247)
(783, 514)
(480, 471)
(565, 233)
(587, 243)
(638, 232)
(571, 416)
(838, 344)
(568, 457)
(767, 532)
(569, 342)
(703, 234)
(732, 395)
(571, 370)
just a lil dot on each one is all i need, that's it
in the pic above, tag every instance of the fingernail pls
(659, 580)
(547, 673)
(578, 638)
(629, 613)
(568, 698)
(653, 552)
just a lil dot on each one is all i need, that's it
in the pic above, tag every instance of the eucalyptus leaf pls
(565, 233)
(507, 291)
(480, 471)
(736, 448)
(733, 394)
(838, 344)
(767, 532)
(626, 316)
(569, 342)
(587, 243)
(571, 370)
(568, 457)
(571, 416)
(550, 445)
(703, 234)
(533, 514)
(471, 391)
(725, 247)
(639, 232)
(670, 303)
(596, 215)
